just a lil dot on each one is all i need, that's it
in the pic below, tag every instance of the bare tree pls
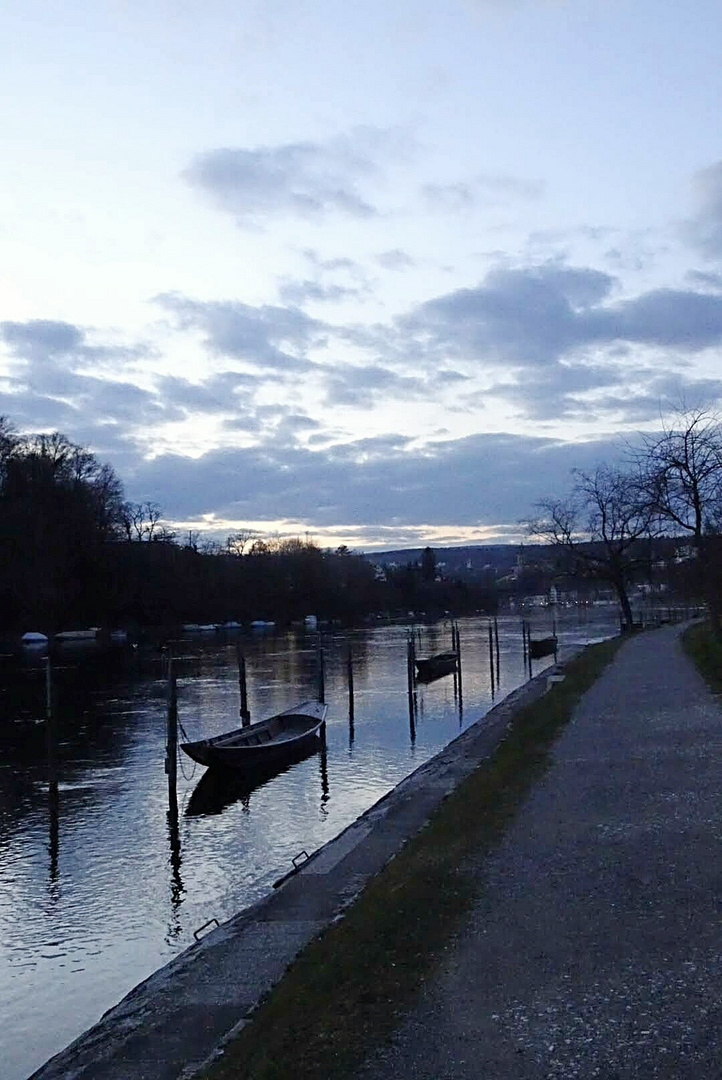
(601, 526)
(140, 521)
(237, 542)
(683, 468)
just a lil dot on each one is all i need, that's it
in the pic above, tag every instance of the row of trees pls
(74, 552)
(671, 485)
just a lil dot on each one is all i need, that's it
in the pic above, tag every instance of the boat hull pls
(270, 742)
(434, 667)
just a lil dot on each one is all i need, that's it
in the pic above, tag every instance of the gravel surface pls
(595, 946)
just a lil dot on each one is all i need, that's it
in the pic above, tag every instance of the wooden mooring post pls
(171, 744)
(491, 660)
(321, 674)
(457, 650)
(244, 712)
(411, 683)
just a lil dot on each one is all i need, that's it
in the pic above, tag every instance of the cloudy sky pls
(380, 273)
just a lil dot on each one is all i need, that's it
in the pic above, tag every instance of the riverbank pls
(174, 1020)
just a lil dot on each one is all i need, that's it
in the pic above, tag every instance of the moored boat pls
(540, 647)
(433, 667)
(78, 635)
(273, 740)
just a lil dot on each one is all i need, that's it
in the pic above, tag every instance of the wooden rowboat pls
(274, 740)
(539, 647)
(433, 667)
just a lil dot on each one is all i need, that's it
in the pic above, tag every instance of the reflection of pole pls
(496, 646)
(491, 660)
(320, 674)
(244, 713)
(324, 775)
(457, 650)
(51, 738)
(412, 715)
(171, 745)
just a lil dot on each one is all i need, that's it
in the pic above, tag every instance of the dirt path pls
(595, 947)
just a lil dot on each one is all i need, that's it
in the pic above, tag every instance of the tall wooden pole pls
(458, 660)
(411, 683)
(491, 660)
(171, 746)
(321, 675)
(244, 713)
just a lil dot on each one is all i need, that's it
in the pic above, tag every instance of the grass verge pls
(705, 650)
(342, 995)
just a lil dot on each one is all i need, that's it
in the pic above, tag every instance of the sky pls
(380, 275)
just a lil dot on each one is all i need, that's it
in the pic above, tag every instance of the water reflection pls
(175, 861)
(219, 788)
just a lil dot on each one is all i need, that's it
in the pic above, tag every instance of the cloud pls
(449, 198)
(613, 393)
(41, 340)
(301, 292)
(705, 279)
(476, 481)
(221, 393)
(333, 265)
(269, 337)
(486, 189)
(515, 317)
(704, 229)
(362, 385)
(396, 259)
(538, 315)
(306, 179)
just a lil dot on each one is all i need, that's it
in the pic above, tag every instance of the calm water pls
(102, 885)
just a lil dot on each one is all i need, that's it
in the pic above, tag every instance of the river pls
(100, 883)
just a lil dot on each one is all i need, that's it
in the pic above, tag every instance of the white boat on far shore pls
(78, 635)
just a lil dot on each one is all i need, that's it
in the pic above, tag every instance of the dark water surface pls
(101, 885)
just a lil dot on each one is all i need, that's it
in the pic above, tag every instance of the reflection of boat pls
(273, 740)
(433, 667)
(219, 788)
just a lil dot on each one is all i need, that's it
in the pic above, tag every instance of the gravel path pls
(595, 945)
